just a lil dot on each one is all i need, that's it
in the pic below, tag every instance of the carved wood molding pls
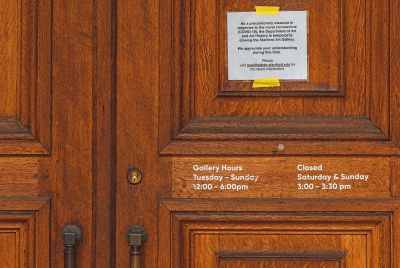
(182, 220)
(28, 220)
(29, 130)
(306, 257)
(195, 117)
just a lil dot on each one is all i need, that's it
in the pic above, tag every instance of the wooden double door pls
(98, 95)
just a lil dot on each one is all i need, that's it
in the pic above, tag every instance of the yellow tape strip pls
(267, 10)
(266, 82)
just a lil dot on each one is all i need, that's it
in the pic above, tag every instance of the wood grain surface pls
(24, 232)
(191, 84)
(212, 233)
(9, 55)
(90, 88)
(137, 107)
(20, 176)
(25, 77)
(56, 80)
(279, 177)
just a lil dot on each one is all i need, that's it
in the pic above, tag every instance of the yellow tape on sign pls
(267, 10)
(266, 82)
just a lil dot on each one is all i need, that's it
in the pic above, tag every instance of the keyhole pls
(134, 176)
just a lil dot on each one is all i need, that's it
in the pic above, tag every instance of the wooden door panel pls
(24, 232)
(55, 103)
(351, 233)
(25, 130)
(25, 77)
(176, 108)
(201, 114)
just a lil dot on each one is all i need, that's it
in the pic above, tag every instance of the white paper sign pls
(264, 46)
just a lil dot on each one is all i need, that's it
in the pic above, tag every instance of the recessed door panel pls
(347, 97)
(300, 174)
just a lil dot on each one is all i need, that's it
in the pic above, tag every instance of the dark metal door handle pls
(71, 237)
(137, 236)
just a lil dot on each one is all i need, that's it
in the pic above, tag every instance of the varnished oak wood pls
(358, 227)
(174, 103)
(282, 128)
(283, 259)
(192, 91)
(9, 20)
(80, 167)
(277, 177)
(26, 77)
(56, 136)
(137, 102)
(292, 148)
(20, 176)
(104, 53)
(301, 255)
(89, 89)
(11, 128)
(24, 232)
(394, 78)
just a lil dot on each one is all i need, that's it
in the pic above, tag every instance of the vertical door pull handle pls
(137, 236)
(71, 237)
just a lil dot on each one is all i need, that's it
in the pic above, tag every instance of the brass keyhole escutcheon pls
(134, 176)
